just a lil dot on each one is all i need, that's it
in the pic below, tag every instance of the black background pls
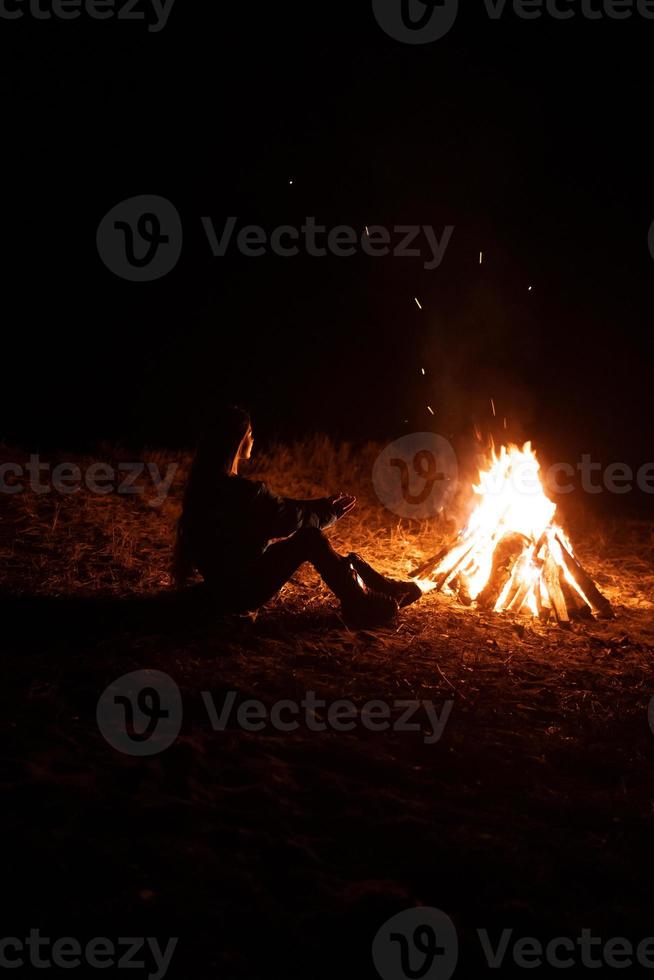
(532, 138)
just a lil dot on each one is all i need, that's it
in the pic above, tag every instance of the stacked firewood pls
(546, 570)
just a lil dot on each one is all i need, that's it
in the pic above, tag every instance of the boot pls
(403, 592)
(361, 607)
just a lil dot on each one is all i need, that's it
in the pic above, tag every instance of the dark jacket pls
(236, 519)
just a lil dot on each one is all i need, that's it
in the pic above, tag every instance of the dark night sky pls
(532, 138)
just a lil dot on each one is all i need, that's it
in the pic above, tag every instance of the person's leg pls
(405, 592)
(281, 560)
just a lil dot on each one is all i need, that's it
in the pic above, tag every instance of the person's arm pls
(284, 515)
(316, 513)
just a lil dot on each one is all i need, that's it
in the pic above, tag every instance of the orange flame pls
(512, 501)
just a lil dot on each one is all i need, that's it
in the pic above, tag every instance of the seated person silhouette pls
(230, 531)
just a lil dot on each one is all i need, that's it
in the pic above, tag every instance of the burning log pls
(427, 567)
(554, 591)
(521, 586)
(463, 591)
(594, 598)
(577, 608)
(504, 558)
(511, 556)
(449, 573)
(543, 604)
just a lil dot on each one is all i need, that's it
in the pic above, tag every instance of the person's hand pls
(342, 504)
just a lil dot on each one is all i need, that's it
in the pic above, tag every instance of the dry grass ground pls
(281, 854)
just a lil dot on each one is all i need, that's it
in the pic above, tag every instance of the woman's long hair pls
(216, 453)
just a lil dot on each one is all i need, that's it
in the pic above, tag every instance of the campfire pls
(512, 556)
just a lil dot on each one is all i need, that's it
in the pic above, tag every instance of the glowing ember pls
(511, 555)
